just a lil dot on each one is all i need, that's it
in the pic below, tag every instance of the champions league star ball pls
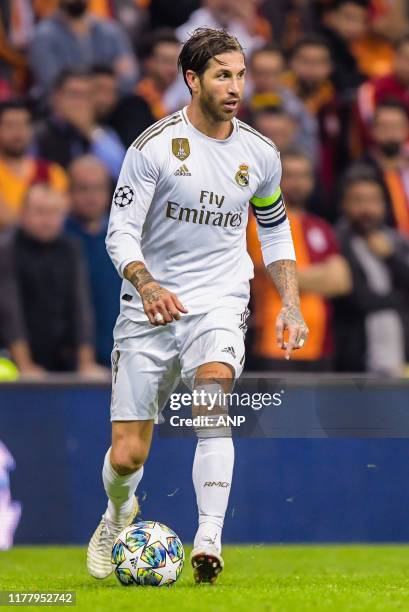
(148, 553)
(123, 196)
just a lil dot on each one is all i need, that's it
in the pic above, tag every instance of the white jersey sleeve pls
(132, 199)
(269, 209)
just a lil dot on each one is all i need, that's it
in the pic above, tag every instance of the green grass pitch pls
(255, 579)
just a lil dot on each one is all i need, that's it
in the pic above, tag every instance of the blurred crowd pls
(328, 82)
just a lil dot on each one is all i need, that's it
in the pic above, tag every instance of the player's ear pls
(193, 81)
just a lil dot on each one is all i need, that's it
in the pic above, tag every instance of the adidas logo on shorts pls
(230, 350)
(182, 171)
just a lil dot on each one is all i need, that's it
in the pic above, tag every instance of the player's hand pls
(160, 305)
(290, 319)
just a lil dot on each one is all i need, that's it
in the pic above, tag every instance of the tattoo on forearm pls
(284, 275)
(138, 275)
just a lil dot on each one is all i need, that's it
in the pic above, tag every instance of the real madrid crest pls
(242, 175)
(180, 148)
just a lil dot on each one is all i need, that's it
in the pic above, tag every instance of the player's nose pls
(234, 88)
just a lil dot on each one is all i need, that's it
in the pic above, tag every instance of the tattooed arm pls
(284, 274)
(155, 299)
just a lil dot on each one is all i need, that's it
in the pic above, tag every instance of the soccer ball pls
(123, 196)
(148, 553)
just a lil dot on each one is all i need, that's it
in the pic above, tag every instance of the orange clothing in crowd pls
(374, 56)
(397, 184)
(147, 89)
(314, 242)
(13, 187)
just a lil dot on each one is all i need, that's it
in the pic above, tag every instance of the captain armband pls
(269, 211)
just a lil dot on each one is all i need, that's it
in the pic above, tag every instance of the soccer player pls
(177, 236)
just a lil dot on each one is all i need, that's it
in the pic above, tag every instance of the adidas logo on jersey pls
(182, 171)
(230, 350)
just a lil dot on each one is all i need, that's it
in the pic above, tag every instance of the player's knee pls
(126, 459)
(210, 410)
(221, 373)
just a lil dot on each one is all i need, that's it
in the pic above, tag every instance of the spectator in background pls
(345, 22)
(18, 168)
(16, 25)
(275, 123)
(72, 38)
(90, 196)
(323, 274)
(56, 319)
(390, 19)
(128, 115)
(266, 70)
(132, 14)
(388, 156)
(72, 128)
(309, 79)
(11, 329)
(158, 53)
(371, 93)
(371, 321)
(310, 71)
(240, 19)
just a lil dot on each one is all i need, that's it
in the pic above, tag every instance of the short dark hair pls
(14, 104)
(359, 172)
(391, 104)
(272, 110)
(311, 40)
(149, 42)
(202, 46)
(273, 49)
(103, 70)
(66, 75)
(295, 152)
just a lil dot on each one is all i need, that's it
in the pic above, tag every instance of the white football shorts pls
(149, 361)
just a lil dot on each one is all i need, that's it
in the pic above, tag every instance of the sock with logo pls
(120, 490)
(212, 475)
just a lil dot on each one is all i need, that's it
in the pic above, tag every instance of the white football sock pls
(120, 489)
(212, 475)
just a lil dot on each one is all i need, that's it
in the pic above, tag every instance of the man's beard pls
(308, 88)
(14, 152)
(213, 110)
(391, 148)
(365, 225)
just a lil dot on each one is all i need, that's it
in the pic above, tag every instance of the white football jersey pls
(181, 207)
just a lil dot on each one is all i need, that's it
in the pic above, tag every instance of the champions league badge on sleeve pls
(10, 511)
(123, 196)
